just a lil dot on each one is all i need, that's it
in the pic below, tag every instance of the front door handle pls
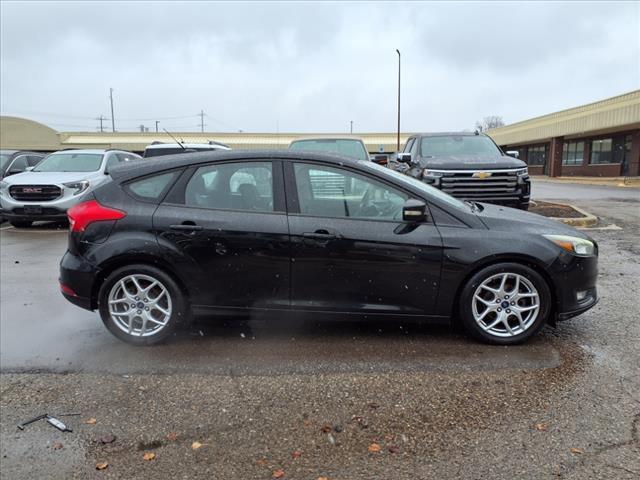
(186, 226)
(321, 235)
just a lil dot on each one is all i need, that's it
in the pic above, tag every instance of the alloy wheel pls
(505, 304)
(140, 305)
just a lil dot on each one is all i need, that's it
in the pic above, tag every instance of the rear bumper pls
(77, 280)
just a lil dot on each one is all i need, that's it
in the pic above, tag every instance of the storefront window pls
(573, 153)
(537, 156)
(601, 151)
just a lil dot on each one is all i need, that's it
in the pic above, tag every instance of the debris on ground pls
(196, 445)
(107, 439)
(91, 421)
(101, 465)
(278, 473)
(148, 456)
(374, 448)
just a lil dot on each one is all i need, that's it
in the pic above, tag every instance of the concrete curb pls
(587, 219)
(609, 182)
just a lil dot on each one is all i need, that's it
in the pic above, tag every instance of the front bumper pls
(13, 209)
(574, 276)
(77, 280)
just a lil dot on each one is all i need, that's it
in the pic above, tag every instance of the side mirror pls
(404, 157)
(513, 153)
(414, 211)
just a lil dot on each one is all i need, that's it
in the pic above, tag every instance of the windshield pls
(346, 147)
(428, 190)
(70, 162)
(453, 146)
(4, 159)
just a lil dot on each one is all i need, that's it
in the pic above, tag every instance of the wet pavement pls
(438, 404)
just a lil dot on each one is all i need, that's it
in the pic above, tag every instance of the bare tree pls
(492, 121)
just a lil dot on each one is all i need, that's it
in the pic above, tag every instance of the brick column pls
(555, 156)
(634, 161)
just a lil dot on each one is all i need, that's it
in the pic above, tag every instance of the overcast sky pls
(311, 67)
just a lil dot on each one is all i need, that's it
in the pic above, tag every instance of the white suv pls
(60, 181)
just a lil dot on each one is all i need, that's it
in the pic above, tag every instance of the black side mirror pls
(414, 211)
(404, 157)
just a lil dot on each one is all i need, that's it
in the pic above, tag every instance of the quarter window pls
(573, 153)
(151, 188)
(332, 192)
(232, 186)
(601, 151)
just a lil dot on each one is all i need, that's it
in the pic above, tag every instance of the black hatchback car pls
(282, 231)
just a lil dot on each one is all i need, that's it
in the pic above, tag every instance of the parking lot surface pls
(341, 400)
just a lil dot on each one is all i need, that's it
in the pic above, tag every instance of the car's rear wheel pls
(20, 224)
(505, 303)
(141, 304)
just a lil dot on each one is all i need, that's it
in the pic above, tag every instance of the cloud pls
(311, 67)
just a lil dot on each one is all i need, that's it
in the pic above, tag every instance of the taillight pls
(85, 213)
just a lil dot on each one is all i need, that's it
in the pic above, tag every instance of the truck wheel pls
(524, 206)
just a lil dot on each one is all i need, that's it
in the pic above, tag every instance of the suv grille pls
(35, 193)
(465, 185)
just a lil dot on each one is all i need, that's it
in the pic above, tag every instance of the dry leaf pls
(373, 405)
(172, 436)
(541, 427)
(374, 448)
(307, 423)
(91, 421)
(262, 462)
(101, 465)
(322, 478)
(576, 450)
(393, 449)
(278, 473)
(326, 429)
(196, 445)
(149, 456)
(296, 454)
(57, 446)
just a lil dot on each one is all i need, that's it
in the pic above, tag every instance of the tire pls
(497, 322)
(523, 206)
(20, 224)
(130, 326)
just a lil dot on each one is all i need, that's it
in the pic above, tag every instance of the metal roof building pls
(598, 139)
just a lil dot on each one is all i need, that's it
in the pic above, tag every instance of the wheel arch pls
(521, 259)
(109, 266)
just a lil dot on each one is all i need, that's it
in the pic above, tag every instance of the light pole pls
(113, 120)
(398, 138)
(351, 127)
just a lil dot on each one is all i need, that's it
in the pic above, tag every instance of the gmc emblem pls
(31, 190)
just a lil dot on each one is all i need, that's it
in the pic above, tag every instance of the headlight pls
(575, 245)
(79, 186)
(523, 171)
(431, 173)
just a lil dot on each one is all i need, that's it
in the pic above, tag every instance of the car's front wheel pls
(505, 304)
(141, 304)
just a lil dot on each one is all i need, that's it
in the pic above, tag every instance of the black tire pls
(179, 312)
(523, 206)
(20, 223)
(466, 305)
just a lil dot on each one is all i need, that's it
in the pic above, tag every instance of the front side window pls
(455, 145)
(332, 192)
(232, 186)
(573, 153)
(70, 162)
(601, 151)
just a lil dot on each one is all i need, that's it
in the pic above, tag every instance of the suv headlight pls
(430, 173)
(523, 171)
(575, 245)
(79, 186)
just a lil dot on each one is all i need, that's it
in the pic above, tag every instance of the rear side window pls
(232, 186)
(152, 188)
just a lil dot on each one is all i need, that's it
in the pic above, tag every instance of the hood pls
(48, 178)
(475, 162)
(497, 217)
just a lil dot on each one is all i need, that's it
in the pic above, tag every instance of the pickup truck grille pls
(463, 184)
(35, 193)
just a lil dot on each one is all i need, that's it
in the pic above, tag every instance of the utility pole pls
(398, 145)
(351, 128)
(157, 122)
(101, 119)
(202, 121)
(113, 121)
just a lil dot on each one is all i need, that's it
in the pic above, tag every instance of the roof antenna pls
(175, 139)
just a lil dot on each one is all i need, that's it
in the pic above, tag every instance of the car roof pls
(447, 134)
(169, 162)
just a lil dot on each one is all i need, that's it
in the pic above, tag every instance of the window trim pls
(293, 203)
(176, 197)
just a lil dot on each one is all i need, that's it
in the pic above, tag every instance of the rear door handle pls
(188, 227)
